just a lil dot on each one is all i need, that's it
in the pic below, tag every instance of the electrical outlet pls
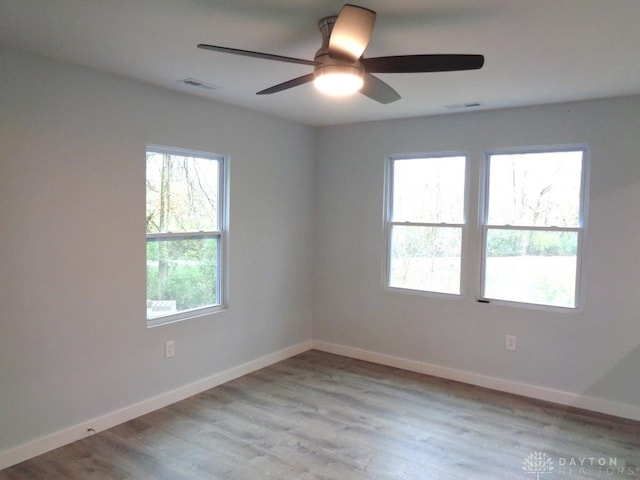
(511, 343)
(169, 349)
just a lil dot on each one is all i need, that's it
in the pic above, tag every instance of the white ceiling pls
(536, 51)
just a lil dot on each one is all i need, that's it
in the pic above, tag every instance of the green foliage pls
(552, 244)
(411, 241)
(191, 272)
(190, 286)
(426, 258)
(504, 243)
(515, 243)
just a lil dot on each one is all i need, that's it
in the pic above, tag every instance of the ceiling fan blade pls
(286, 85)
(423, 63)
(351, 33)
(249, 53)
(377, 90)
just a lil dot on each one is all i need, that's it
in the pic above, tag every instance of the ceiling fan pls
(339, 67)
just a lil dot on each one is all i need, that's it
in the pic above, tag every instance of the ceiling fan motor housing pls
(326, 27)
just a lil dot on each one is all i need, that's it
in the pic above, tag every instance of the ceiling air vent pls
(192, 82)
(463, 106)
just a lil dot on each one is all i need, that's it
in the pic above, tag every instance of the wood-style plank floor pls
(322, 416)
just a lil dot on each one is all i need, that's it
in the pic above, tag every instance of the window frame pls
(389, 223)
(221, 234)
(484, 226)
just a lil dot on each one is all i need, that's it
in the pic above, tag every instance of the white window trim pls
(582, 220)
(223, 234)
(389, 223)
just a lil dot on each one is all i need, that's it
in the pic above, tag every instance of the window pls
(425, 222)
(186, 234)
(533, 225)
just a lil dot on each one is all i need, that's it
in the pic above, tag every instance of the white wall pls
(594, 353)
(73, 339)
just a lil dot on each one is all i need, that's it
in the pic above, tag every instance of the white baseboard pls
(63, 437)
(532, 391)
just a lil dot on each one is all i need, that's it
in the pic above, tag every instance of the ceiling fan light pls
(338, 80)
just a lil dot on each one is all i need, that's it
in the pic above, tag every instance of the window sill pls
(187, 315)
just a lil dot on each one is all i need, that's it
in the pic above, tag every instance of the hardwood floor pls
(322, 416)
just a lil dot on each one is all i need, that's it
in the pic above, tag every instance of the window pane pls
(429, 190)
(535, 189)
(531, 266)
(182, 193)
(181, 275)
(426, 258)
